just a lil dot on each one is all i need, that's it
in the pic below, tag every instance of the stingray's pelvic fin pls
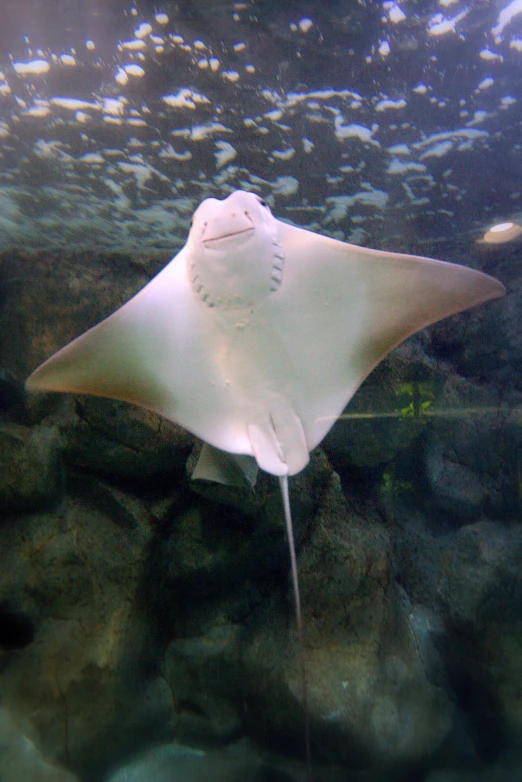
(279, 444)
(230, 469)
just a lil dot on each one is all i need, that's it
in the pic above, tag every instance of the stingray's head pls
(233, 255)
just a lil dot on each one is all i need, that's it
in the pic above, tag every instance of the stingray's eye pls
(263, 203)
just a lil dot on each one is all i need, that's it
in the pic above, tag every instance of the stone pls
(507, 768)
(125, 442)
(78, 574)
(20, 759)
(456, 490)
(470, 446)
(370, 699)
(369, 694)
(390, 410)
(239, 762)
(481, 589)
(30, 470)
(60, 298)
(480, 581)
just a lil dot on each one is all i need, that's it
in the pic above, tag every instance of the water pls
(156, 617)
(378, 124)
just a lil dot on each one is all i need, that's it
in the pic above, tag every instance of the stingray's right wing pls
(342, 308)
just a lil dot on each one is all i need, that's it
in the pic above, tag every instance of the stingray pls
(255, 337)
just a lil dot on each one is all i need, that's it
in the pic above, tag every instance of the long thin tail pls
(283, 482)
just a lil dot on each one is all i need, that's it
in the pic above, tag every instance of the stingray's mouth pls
(213, 240)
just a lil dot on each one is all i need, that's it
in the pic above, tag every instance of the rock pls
(20, 759)
(389, 411)
(12, 399)
(474, 342)
(79, 574)
(447, 775)
(498, 344)
(507, 768)
(369, 694)
(48, 300)
(418, 550)
(370, 699)
(471, 445)
(171, 762)
(206, 713)
(456, 490)
(30, 471)
(480, 582)
(239, 762)
(482, 592)
(126, 442)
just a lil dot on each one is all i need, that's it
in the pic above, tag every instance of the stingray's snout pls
(231, 223)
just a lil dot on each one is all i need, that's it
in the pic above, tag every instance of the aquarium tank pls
(260, 453)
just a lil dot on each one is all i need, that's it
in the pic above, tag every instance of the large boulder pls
(390, 410)
(30, 471)
(470, 448)
(370, 699)
(78, 573)
(482, 591)
(20, 759)
(127, 443)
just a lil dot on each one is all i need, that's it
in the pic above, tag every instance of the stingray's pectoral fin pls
(279, 443)
(230, 469)
(107, 361)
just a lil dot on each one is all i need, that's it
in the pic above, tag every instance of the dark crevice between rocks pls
(17, 629)
(480, 711)
(163, 486)
(13, 399)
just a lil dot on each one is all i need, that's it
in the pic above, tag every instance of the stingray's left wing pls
(161, 351)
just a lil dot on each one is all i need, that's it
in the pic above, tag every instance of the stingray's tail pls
(283, 482)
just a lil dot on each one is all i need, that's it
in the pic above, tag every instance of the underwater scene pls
(260, 391)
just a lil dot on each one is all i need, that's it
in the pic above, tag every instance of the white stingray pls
(257, 334)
